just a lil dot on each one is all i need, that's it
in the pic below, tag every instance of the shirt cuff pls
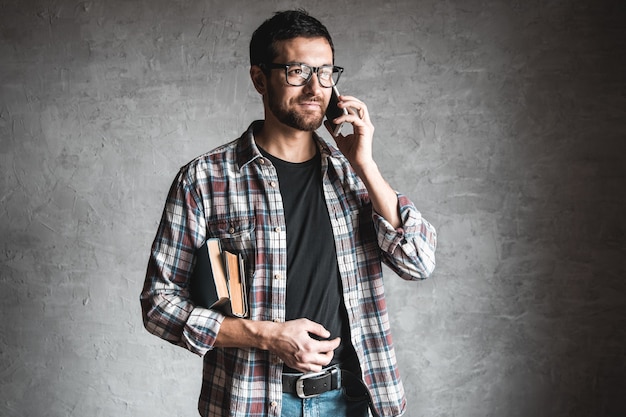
(201, 330)
(388, 236)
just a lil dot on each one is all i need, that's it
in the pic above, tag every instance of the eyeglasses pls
(298, 74)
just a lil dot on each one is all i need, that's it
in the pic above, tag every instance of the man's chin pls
(306, 125)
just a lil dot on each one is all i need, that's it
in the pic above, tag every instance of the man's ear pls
(258, 79)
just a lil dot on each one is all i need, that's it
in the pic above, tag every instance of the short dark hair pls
(284, 26)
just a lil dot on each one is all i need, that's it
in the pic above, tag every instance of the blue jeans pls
(332, 403)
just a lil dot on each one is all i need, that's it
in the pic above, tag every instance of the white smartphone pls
(333, 111)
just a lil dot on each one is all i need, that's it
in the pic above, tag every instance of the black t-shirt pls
(314, 289)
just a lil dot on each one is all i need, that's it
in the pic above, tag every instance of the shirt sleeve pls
(410, 249)
(167, 309)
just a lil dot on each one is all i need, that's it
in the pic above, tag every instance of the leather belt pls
(312, 384)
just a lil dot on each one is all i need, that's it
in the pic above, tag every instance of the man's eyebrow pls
(309, 65)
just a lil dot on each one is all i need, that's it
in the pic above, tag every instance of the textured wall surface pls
(503, 120)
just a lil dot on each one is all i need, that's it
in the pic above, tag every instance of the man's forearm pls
(384, 199)
(291, 341)
(240, 333)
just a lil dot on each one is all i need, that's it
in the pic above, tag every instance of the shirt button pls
(231, 230)
(273, 184)
(274, 404)
(261, 161)
(278, 276)
(277, 230)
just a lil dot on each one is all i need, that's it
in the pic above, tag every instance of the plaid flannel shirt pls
(232, 193)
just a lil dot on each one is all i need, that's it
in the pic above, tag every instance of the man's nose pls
(314, 83)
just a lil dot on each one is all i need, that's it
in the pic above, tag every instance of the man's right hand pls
(291, 341)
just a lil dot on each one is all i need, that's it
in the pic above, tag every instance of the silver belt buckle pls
(300, 381)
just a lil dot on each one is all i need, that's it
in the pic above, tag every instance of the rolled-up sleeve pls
(167, 309)
(408, 250)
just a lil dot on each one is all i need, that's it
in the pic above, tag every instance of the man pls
(313, 224)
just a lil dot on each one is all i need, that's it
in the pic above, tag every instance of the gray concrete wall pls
(503, 120)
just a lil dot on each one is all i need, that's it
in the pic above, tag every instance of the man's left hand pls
(357, 146)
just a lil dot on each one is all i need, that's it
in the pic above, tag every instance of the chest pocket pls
(237, 235)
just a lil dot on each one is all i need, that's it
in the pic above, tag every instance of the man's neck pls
(286, 143)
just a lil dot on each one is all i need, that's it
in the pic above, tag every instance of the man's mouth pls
(311, 102)
(317, 104)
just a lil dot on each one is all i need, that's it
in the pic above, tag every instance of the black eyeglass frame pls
(314, 70)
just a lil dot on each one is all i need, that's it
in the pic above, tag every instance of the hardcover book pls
(218, 280)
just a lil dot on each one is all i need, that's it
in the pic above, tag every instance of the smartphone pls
(333, 111)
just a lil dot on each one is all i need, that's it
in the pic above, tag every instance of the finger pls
(321, 360)
(350, 99)
(314, 368)
(354, 106)
(316, 329)
(329, 345)
(356, 115)
(306, 366)
(313, 362)
(322, 351)
(311, 367)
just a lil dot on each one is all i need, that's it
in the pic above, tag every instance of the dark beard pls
(292, 118)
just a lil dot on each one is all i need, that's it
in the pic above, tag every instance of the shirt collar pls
(247, 151)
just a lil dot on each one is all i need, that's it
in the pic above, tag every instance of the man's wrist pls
(244, 333)
(261, 332)
(366, 169)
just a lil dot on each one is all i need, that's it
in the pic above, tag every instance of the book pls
(218, 280)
